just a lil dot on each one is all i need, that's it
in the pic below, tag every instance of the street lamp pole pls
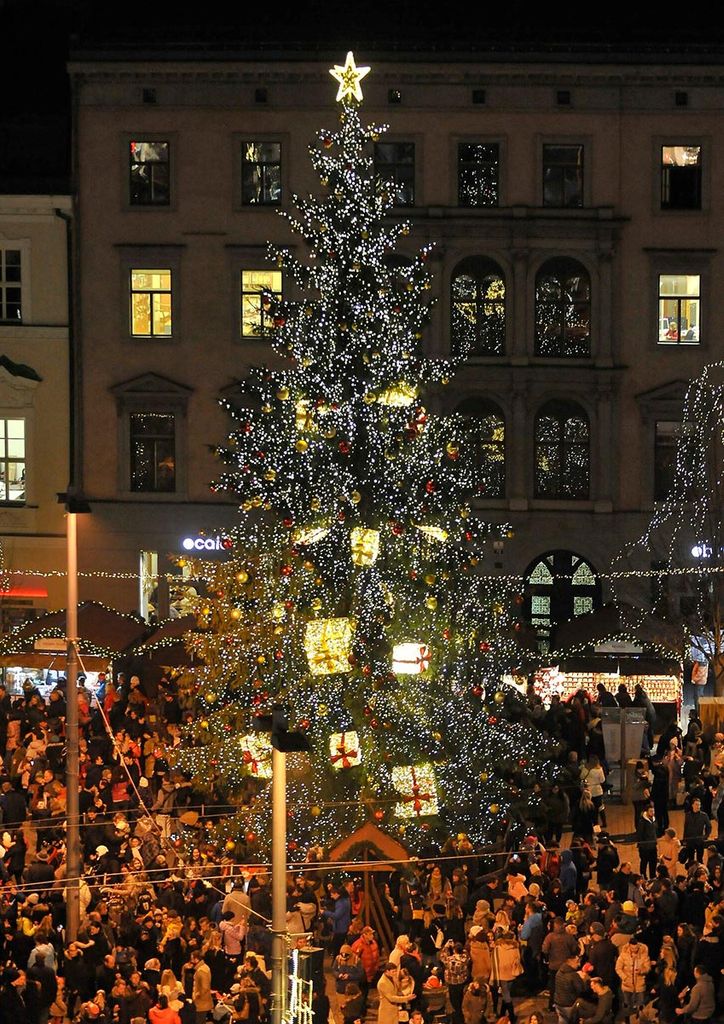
(72, 836)
(279, 885)
(74, 505)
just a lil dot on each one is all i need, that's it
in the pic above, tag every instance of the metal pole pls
(279, 885)
(72, 835)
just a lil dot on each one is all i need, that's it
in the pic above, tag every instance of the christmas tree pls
(363, 609)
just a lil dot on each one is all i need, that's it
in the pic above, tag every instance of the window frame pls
(240, 293)
(276, 203)
(152, 135)
(488, 264)
(584, 140)
(678, 342)
(476, 408)
(562, 403)
(151, 292)
(460, 141)
(167, 414)
(237, 141)
(680, 139)
(5, 285)
(555, 262)
(5, 416)
(657, 495)
(151, 393)
(150, 257)
(400, 140)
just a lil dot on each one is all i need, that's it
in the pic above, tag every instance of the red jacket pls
(369, 954)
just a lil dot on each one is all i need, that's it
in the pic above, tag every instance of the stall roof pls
(103, 633)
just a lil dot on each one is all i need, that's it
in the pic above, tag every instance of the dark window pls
(681, 177)
(478, 308)
(485, 424)
(478, 174)
(563, 310)
(558, 586)
(478, 95)
(667, 435)
(149, 95)
(11, 294)
(149, 173)
(261, 95)
(562, 451)
(394, 96)
(395, 163)
(153, 452)
(261, 173)
(681, 99)
(562, 176)
(563, 98)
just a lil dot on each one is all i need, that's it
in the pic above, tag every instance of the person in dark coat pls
(14, 806)
(602, 955)
(47, 984)
(606, 862)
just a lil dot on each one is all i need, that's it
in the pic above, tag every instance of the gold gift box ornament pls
(417, 786)
(344, 751)
(256, 754)
(410, 659)
(327, 644)
(365, 545)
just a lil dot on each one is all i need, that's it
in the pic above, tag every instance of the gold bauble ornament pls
(266, 408)
(315, 504)
(301, 445)
(322, 710)
(437, 736)
(430, 579)
(355, 497)
(499, 697)
(316, 604)
(283, 394)
(494, 808)
(242, 576)
(211, 698)
(235, 613)
(315, 811)
(484, 776)
(431, 602)
(370, 398)
(270, 475)
(230, 845)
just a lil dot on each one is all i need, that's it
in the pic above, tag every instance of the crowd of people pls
(465, 934)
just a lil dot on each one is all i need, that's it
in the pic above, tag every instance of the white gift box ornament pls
(344, 750)
(410, 659)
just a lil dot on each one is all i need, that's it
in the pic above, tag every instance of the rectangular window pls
(679, 309)
(151, 303)
(149, 173)
(395, 163)
(11, 304)
(255, 322)
(12, 460)
(563, 176)
(665, 439)
(681, 177)
(478, 174)
(153, 452)
(261, 173)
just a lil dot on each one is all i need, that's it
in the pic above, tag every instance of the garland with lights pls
(362, 608)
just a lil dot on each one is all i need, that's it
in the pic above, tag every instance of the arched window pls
(477, 304)
(563, 309)
(487, 435)
(562, 451)
(559, 585)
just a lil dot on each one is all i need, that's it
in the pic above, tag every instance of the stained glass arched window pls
(487, 435)
(563, 309)
(559, 585)
(477, 304)
(562, 451)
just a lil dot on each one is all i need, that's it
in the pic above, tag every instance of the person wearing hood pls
(483, 915)
(569, 875)
(701, 1003)
(632, 966)
(479, 952)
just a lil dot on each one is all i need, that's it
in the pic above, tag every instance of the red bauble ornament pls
(518, 626)
(492, 720)
(289, 605)
(379, 815)
(367, 710)
(257, 699)
(446, 634)
(366, 669)
(292, 845)
(484, 645)
(278, 655)
(468, 536)
(287, 570)
(397, 309)
(227, 543)
(519, 599)
(374, 723)
(288, 523)
(247, 428)
(279, 321)
(344, 447)
(213, 762)
(304, 723)
(477, 691)
(327, 141)
(397, 528)
(430, 487)
(523, 761)
(251, 837)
